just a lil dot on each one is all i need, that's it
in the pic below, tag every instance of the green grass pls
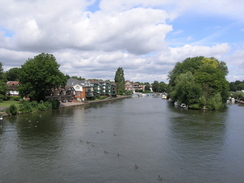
(8, 103)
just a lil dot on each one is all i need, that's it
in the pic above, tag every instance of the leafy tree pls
(78, 78)
(13, 74)
(3, 85)
(159, 87)
(155, 86)
(237, 85)
(199, 82)
(120, 80)
(38, 75)
(147, 86)
(186, 89)
(163, 87)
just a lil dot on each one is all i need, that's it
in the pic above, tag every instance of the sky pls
(93, 38)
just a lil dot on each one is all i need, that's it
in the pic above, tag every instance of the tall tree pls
(155, 86)
(38, 75)
(3, 85)
(120, 80)
(13, 74)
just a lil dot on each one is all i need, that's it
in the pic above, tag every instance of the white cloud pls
(129, 34)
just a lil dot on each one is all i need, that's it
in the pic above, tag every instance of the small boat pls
(183, 105)
(1, 120)
(135, 95)
(164, 97)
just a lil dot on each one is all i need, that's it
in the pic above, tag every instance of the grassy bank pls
(7, 103)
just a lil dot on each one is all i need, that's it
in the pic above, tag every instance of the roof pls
(10, 83)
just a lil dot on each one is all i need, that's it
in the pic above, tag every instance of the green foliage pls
(120, 80)
(78, 78)
(25, 107)
(12, 110)
(186, 90)
(237, 95)
(128, 92)
(34, 104)
(237, 85)
(16, 98)
(55, 104)
(29, 107)
(13, 74)
(215, 102)
(147, 87)
(200, 83)
(41, 106)
(3, 89)
(159, 87)
(38, 75)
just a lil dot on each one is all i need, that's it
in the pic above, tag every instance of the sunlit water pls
(102, 143)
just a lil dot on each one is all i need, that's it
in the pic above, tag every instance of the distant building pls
(133, 86)
(13, 88)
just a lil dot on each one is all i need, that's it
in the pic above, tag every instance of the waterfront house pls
(76, 88)
(134, 86)
(13, 88)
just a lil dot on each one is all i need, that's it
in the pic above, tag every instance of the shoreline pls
(70, 104)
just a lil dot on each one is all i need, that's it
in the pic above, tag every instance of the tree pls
(78, 78)
(186, 89)
(13, 74)
(199, 82)
(155, 86)
(120, 80)
(3, 85)
(147, 86)
(163, 87)
(159, 87)
(237, 85)
(38, 75)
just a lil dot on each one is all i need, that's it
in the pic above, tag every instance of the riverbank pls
(68, 104)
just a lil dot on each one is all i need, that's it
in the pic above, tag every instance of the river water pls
(102, 142)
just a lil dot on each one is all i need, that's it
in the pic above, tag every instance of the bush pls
(216, 102)
(34, 104)
(41, 107)
(55, 104)
(12, 110)
(16, 98)
(1, 98)
(48, 104)
(25, 107)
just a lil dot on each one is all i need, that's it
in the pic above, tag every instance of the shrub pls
(25, 107)
(1, 98)
(41, 107)
(16, 98)
(55, 104)
(48, 104)
(34, 104)
(12, 110)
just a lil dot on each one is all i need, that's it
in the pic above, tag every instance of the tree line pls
(198, 82)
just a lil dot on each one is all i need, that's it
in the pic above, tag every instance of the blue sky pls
(92, 38)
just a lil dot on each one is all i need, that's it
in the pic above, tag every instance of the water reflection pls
(198, 139)
(81, 144)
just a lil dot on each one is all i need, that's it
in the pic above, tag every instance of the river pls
(102, 143)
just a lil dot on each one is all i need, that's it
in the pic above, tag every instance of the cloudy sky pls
(92, 38)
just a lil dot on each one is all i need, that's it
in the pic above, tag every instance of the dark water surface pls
(102, 143)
